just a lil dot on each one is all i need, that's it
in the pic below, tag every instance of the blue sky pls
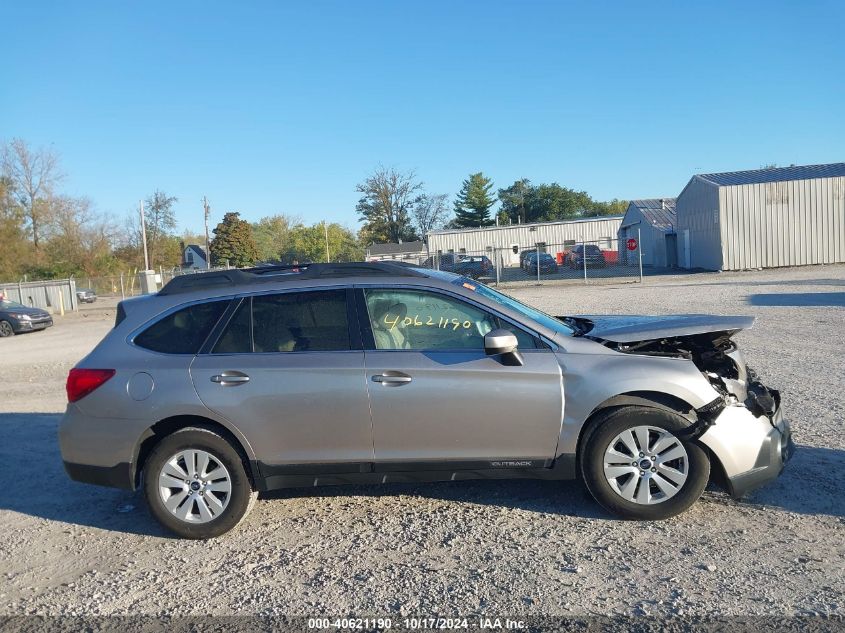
(272, 107)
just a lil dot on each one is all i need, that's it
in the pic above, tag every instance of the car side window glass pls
(236, 339)
(300, 322)
(419, 320)
(524, 339)
(183, 331)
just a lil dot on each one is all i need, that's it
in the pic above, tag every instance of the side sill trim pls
(275, 477)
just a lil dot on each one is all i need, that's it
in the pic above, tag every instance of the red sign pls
(631, 244)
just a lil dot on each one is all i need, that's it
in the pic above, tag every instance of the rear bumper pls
(99, 451)
(118, 476)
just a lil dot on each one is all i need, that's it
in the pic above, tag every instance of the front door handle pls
(392, 379)
(230, 378)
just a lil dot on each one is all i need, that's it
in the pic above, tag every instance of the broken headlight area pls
(761, 400)
(714, 354)
(720, 361)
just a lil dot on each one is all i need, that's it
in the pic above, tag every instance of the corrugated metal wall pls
(698, 227)
(53, 296)
(652, 240)
(792, 223)
(526, 235)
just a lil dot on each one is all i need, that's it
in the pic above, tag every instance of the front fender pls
(592, 381)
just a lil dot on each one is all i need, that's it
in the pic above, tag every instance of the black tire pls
(6, 329)
(615, 423)
(242, 495)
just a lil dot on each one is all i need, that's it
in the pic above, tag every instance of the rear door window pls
(237, 339)
(182, 331)
(314, 321)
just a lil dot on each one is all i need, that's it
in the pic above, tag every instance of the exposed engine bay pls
(713, 352)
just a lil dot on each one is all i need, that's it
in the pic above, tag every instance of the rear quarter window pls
(182, 331)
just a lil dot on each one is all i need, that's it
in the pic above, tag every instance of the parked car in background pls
(86, 295)
(16, 318)
(444, 261)
(545, 262)
(524, 254)
(474, 266)
(592, 253)
(468, 265)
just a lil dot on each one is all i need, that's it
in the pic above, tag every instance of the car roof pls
(224, 285)
(235, 279)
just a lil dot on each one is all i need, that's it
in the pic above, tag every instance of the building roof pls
(658, 212)
(502, 227)
(393, 249)
(199, 250)
(775, 174)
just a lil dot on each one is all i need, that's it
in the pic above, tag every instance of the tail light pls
(81, 382)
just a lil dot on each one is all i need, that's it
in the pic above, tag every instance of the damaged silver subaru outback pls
(226, 384)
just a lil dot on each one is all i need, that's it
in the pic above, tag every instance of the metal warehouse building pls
(764, 218)
(553, 237)
(652, 222)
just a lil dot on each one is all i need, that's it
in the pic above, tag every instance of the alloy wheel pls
(195, 486)
(646, 465)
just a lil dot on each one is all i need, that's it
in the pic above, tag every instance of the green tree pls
(308, 244)
(160, 221)
(613, 207)
(15, 249)
(233, 242)
(271, 236)
(515, 200)
(431, 212)
(472, 206)
(32, 175)
(386, 204)
(554, 202)
(81, 240)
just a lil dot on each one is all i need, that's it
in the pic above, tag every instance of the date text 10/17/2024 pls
(416, 624)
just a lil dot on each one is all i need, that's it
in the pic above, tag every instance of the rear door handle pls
(230, 378)
(392, 379)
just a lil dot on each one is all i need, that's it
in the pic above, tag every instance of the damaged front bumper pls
(752, 440)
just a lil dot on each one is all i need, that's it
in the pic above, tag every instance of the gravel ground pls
(507, 548)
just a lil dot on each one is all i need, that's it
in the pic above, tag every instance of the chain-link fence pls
(125, 284)
(130, 284)
(583, 261)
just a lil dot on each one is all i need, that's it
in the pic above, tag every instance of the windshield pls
(5, 304)
(502, 299)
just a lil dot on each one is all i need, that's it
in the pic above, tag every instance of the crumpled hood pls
(633, 328)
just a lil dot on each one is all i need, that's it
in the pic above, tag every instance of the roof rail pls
(279, 272)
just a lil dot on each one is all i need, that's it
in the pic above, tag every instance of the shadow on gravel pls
(808, 485)
(568, 498)
(779, 283)
(33, 482)
(29, 455)
(798, 299)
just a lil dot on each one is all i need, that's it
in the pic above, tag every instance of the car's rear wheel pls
(638, 466)
(6, 329)
(196, 484)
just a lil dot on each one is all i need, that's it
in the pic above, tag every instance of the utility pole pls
(207, 209)
(326, 229)
(144, 236)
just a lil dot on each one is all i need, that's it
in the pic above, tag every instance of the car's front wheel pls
(196, 484)
(6, 329)
(637, 465)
